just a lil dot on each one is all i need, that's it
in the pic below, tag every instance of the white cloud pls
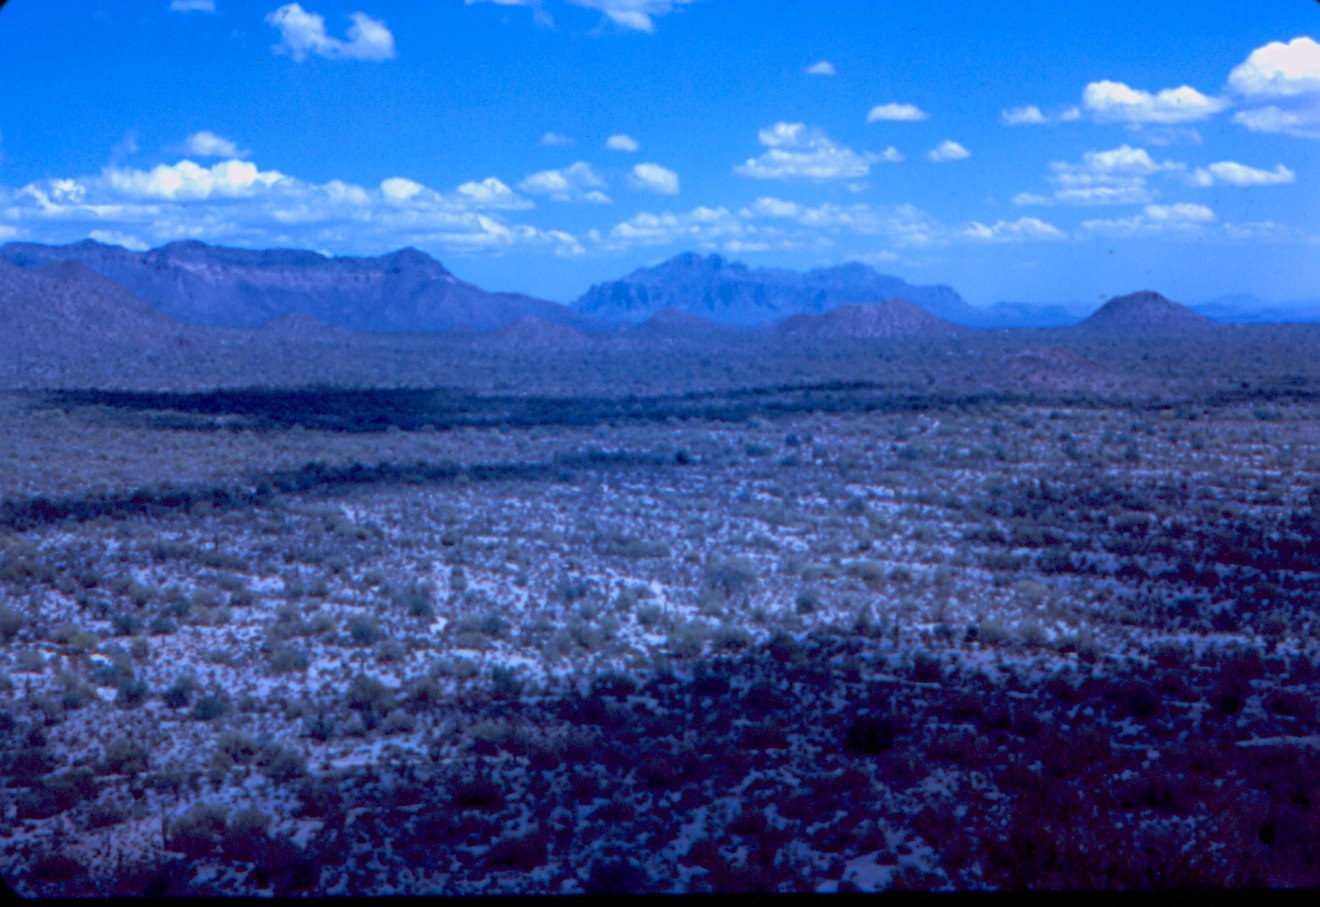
(1117, 176)
(208, 144)
(622, 142)
(190, 6)
(1301, 122)
(1032, 198)
(655, 178)
(1231, 173)
(798, 152)
(1117, 102)
(491, 193)
(1022, 116)
(766, 206)
(1024, 229)
(1124, 159)
(947, 151)
(8, 232)
(236, 202)
(189, 181)
(890, 155)
(575, 183)
(701, 226)
(400, 189)
(1178, 219)
(634, 15)
(303, 34)
(554, 140)
(821, 68)
(116, 238)
(904, 113)
(1279, 70)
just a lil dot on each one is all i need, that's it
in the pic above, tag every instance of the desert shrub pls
(416, 600)
(505, 682)
(103, 815)
(132, 692)
(11, 622)
(57, 868)
(179, 694)
(807, 602)
(457, 667)
(199, 831)
(870, 572)
(649, 615)
(363, 630)
(369, 696)
(398, 722)
(926, 668)
(125, 756)
(730, 577)
(288, 659)
(728, 637)
(687, 640)
(520, 853)
(210, 707)
(617, 875)
(246, 834)
(870, 735)
(476, 792)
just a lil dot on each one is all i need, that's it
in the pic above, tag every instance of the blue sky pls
(1017, 151)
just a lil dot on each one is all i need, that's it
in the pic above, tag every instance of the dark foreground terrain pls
(996, 611)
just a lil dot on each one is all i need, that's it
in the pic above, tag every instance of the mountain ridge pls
(402, 291)
(729, 292)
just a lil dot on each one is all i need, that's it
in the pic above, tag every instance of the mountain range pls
(729, 292)
(405, 291)
(293, 292)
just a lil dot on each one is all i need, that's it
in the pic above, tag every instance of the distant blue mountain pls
(729, 292)
(405, 291)
(1243, 308)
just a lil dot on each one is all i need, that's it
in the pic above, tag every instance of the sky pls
(1016, 151)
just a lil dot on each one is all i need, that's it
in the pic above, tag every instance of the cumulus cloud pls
(702, 226)
(1178, 219)
(236, 201)
(1117, 176)
(1231, 173)
(634, 15)
(117, 238)
(821, 68)
(191, 6)
(208, 144)
(1023, 116)
(303, 34)
(187, 180)
(947, 151)
(622, 142)
(1285, 78)
(774, 223)
(1024, 229)
(575, 183)
(655, 178)
(1117, 102)
(1279, 70)
(555, 140)
(491, 193)
(903, 113)
(795, 151)
(1031, 115)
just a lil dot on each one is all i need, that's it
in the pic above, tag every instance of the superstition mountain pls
(729, 292)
